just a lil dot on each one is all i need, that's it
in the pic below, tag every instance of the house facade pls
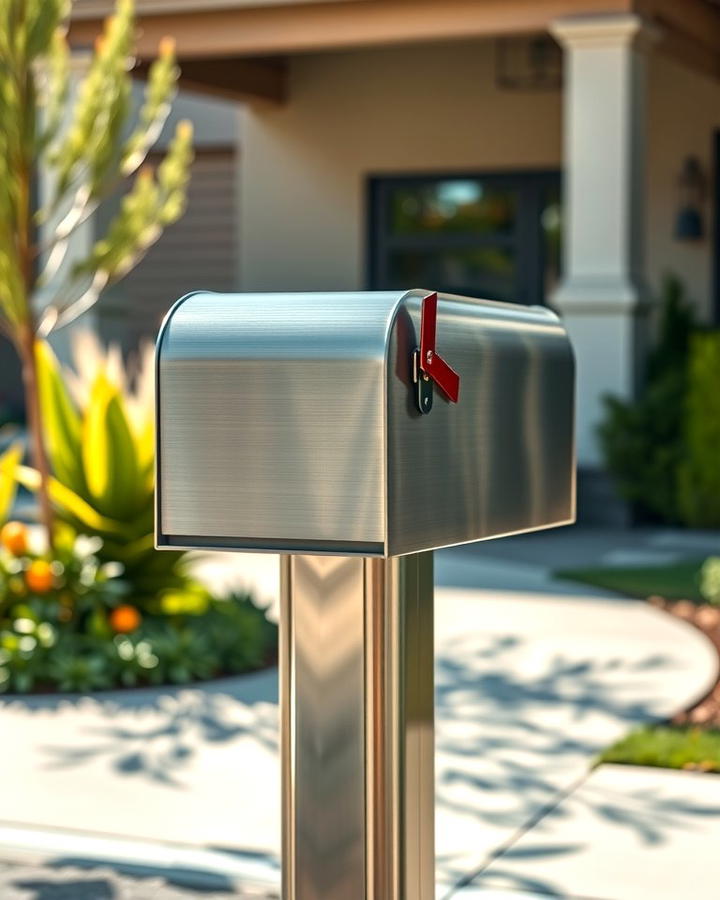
(534, 151)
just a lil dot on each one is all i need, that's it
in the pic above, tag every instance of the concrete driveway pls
(531, 684)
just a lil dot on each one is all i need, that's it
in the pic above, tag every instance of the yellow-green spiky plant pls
(86, 143)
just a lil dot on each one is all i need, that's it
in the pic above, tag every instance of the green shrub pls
(100, 442)
(69, 622)
(643, 440)
(107, 610)
(643, 446)
(699, 469)
(710, 580)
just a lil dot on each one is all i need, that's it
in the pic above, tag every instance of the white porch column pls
(81, 241)
(601, 294)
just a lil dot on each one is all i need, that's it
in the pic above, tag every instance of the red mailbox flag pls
(446, 378)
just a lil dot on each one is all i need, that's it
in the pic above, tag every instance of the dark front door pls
(495, 236)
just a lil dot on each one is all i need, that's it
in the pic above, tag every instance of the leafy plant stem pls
(25, 339)
(35, 425)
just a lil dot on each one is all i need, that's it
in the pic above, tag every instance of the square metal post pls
(357, 739)
(365, 426)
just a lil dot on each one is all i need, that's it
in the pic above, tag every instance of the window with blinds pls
(197, 253)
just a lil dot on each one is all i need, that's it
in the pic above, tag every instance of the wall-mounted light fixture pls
(528, 63)
(689, 225)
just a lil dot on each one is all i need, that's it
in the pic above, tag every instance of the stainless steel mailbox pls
(289, 423)
(351, 433)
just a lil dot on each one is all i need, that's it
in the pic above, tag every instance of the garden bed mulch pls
(706, 712)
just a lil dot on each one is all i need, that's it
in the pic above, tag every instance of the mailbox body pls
(288, 423)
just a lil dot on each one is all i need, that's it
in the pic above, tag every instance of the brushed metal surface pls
(287, 423)
(502, 459)
(357, 728)
(271, 412)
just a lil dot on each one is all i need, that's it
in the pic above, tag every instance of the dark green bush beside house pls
(699, 470)
(663, 449)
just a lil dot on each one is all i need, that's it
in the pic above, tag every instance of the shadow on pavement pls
(510, 759)
(155, 733)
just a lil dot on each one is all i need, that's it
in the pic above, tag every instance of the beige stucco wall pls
(683, 111)
(304, 166)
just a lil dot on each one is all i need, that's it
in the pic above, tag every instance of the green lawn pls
(671, 748)
(679, 581)
(686, 747)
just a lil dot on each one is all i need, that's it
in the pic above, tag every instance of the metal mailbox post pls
(354, 433)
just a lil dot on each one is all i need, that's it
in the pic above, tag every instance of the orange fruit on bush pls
(13, 537)
(39, 576)
(125, 619)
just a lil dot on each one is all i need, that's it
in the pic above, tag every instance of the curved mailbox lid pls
(287, 423)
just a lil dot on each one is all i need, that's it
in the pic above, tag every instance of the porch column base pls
(606, 321)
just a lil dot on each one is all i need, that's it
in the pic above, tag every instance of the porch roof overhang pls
(237, 48)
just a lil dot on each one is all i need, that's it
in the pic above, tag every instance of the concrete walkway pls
(578, 546)
(627, 833)
(531, 684)
(71, 882)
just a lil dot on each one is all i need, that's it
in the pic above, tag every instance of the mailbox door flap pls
(500, 460)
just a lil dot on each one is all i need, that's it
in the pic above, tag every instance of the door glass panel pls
(488, 272)
(452, 206)
(496, 236)
(551, 227)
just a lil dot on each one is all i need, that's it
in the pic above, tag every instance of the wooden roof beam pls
(281, 29)
(233, 78)
(688, 31)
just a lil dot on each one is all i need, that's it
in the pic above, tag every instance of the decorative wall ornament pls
(528, 63)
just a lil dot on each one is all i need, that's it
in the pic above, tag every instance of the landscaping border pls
(706, 618)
